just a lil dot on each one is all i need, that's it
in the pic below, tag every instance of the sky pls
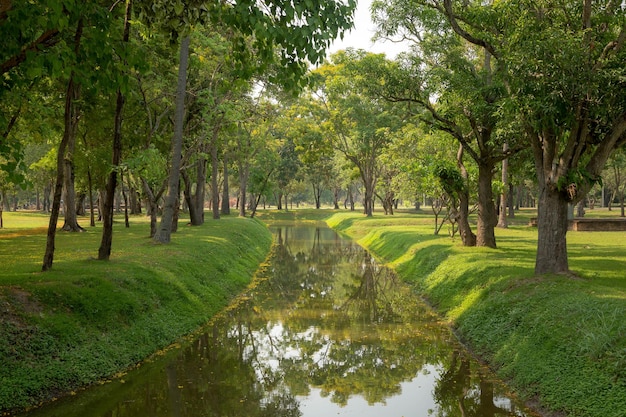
(361, 36)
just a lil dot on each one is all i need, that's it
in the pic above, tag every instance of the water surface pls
(325, 331)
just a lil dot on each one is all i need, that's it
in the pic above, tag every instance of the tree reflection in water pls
(326, 320)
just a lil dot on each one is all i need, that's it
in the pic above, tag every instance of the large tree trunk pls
(104, 251)
(70, 121)
(487, 219)
(465, 230)
(552, 230)
(226, 191)
(164, 232)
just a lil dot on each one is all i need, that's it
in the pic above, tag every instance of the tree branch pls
(464, 34)
(46, 40)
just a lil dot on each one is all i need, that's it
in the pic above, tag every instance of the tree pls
(164, 231)
(457, 88)
(563, 66)
(69, 134)
(360, 125)
(104, 252)
(287, 33)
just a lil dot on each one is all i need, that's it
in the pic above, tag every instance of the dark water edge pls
(324, 331)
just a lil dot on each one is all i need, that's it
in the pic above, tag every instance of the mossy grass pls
(86, 320)
(560, 339)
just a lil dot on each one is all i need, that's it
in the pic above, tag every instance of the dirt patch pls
(15, 303)
(25, 232)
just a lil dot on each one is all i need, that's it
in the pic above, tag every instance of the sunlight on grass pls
(143, 298)
(553, 336)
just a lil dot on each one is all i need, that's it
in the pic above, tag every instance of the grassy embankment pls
(558, 339)
(86, 320)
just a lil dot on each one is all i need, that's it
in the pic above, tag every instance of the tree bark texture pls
(487, 219)
(164, 232)
(552, 230)
(70, 213)
(465, 230)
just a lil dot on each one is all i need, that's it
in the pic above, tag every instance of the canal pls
(324, 331)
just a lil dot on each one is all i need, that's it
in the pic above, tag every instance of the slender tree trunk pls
(351, 198)
(70, 121)
(226, 190)
(104, 251)
(101, 198)
(80, 204)
(195, 201)
(163, 234)
(126, 200)
(511, 202)
(502, 220)
(317, 194)
(243, 185)
(70, 214)
(552, 231)
(92, 214)
(199, 197)
(215, 194)
(153, 203)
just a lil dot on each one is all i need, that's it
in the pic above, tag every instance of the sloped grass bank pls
(86, 320)
(560, 340)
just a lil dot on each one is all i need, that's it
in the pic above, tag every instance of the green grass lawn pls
(85, 319)
(558, 339)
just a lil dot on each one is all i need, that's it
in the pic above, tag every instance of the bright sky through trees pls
(361, 36)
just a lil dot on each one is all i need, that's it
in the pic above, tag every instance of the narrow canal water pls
(326, 331)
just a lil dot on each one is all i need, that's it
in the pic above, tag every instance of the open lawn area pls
(86, 320)
(559, 340)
